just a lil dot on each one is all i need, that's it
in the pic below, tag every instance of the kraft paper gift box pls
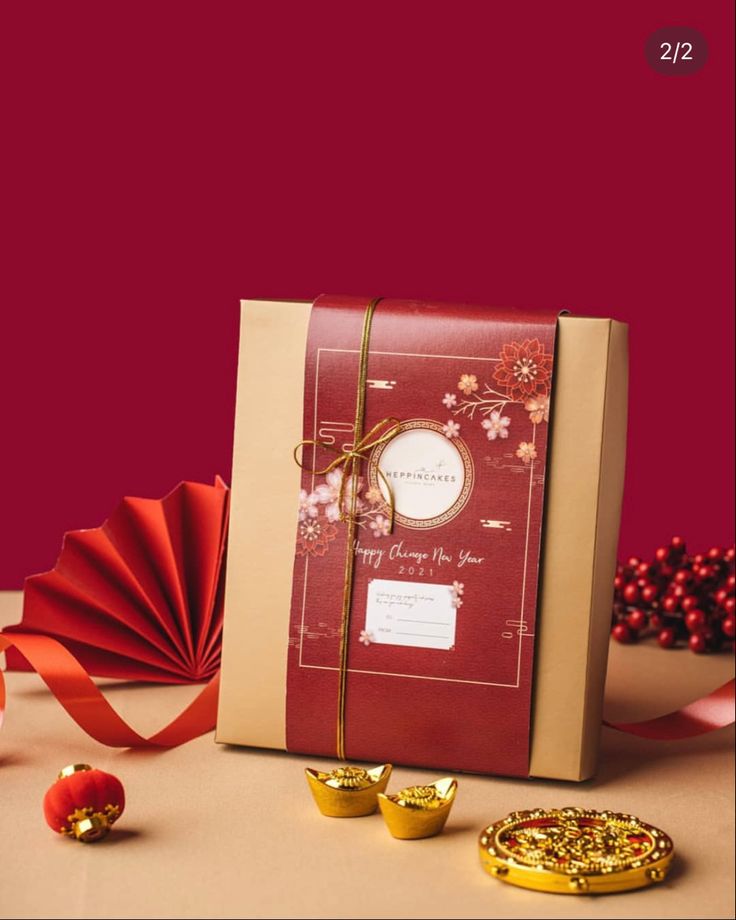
(474, 634)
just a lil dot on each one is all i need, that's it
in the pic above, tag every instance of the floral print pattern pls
(496, 425)
(380, 525)
(328, 493)
(525, 369)
(451, 429)
(314, 536)
(538, 409)
(468, 383)
(526, 451)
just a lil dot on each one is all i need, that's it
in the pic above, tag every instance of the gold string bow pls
(350, 461)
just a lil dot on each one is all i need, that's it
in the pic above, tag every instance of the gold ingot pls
(575, 851)
(418, 811)
(348, 792)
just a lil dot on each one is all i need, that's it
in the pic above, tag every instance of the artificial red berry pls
(715, 552)
(730, 554)
(689, 602)
(683, 576)
(729, 605)
(618, 582)
(670, 603)
(656, 621)
(721, 596)
(637, 619)
(622, 633)
(731, 582)
(666, 637)
(649, 593)
(679, 592)
(695, 620)
(677, 543)
(698, 559)
(705, 572)
(728, 626)
(631, 593)
(633, 561)
(662, 554)
(697, 643)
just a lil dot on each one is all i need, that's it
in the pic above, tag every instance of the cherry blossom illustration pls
(496, 425)
(366, 637)
(538, 409)
(457, 589)
(451, 429)
(328, 494)
(314, 536)
(380, 525)
(526, 451)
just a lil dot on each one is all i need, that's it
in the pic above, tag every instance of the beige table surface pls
(212, 831)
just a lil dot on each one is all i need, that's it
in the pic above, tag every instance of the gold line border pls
(449, 680)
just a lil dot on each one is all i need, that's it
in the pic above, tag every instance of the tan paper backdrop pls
(215, 831)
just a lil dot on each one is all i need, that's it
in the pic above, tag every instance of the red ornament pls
(695, 620)
(690, 602)
(670, 603)
(622, 632)
(667, 637)
(84, 803)
(697, 643)
(677, 598)
(637, 619)
(631, 593)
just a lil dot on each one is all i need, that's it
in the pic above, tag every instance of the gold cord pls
(350, 460)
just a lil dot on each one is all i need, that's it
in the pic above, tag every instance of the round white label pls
(429, 474)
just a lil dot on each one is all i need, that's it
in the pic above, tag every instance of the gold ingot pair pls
(415, 812)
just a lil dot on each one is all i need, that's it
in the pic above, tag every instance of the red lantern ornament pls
(84, 803)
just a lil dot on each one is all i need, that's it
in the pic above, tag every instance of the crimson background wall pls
(163, 160)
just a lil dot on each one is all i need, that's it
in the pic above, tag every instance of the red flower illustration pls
(524, 370)
(313, 537)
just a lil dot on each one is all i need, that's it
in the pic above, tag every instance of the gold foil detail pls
(348, 792)
(575, 851)
(350, 460)
(73, 768)
(418, 811)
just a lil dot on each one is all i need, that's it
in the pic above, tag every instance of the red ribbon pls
(75, 690)
(716, 710)
(77, 693)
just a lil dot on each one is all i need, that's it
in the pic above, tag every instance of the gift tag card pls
(410, 613)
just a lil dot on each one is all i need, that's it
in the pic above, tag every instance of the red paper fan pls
(140, 597)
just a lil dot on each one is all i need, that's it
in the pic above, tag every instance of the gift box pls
(423, 530)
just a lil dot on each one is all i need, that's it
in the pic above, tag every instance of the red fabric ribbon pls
(716, 710)
(77, 693)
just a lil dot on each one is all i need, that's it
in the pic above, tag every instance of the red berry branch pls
(677, 598)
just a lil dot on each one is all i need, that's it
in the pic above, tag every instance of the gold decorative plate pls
(575, 851)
